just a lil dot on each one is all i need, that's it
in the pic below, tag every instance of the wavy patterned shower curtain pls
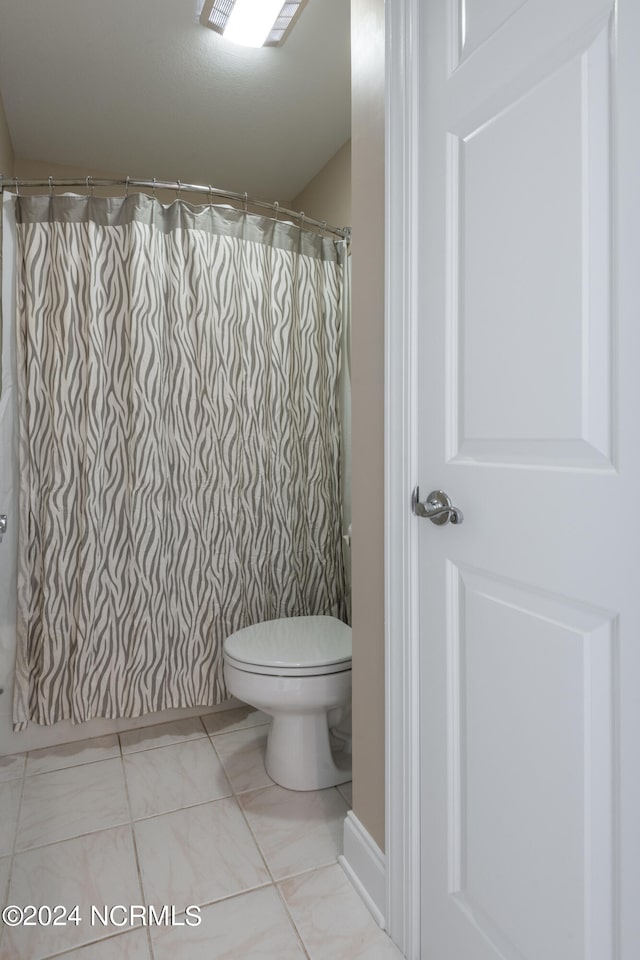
(179, 444)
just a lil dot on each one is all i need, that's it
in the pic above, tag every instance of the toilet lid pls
(292, 642)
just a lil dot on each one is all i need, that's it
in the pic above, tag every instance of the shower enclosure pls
(173, 395)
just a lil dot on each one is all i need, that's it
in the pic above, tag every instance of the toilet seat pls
(280, 671)
(291, 647)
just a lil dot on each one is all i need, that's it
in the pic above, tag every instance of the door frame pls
(402, 693)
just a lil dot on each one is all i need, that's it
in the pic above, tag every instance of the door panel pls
(478, 22)
(529, 608)
(542, 307)
(553, 686)
(509, 311)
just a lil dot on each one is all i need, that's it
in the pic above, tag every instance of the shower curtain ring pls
(153, 192)
(210, 194)
(246, 198)
(276, 207)
(179, 188)
(17, 187)
(50, 186)
(301, 215)
(126, 187)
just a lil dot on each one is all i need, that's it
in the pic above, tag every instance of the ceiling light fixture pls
(252, 23)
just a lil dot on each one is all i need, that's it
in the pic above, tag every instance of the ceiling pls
(140, 88)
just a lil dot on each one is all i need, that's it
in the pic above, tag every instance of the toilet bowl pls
(298, 671)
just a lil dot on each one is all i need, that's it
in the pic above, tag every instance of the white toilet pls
(297, 670)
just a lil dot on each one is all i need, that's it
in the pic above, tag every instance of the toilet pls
(298, 671)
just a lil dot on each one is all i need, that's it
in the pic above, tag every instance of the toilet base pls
(299, 755)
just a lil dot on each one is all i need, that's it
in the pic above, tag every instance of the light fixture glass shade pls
(250, 21)
(217, 14)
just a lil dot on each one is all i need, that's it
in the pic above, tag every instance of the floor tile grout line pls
(123, 759)
(72, 766)
(131, 823)
(317, 870)
(18, 815)
(244, 816)
(237, 793)
(76, 836)
(13, 847)
(292, 921)
(264, 886)
(6, 902)
(274, 882)
(186, 806)
(161, 746)
(177, 743)
(248, 726)
(303, 873)
(346, 800)
(8, 756)
(91, 943)
(270, 883)
(229, 896)
(295, 873)
(128, 823)
(135, 844)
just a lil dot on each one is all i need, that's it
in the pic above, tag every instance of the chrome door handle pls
(437, 507)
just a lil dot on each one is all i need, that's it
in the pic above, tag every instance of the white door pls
(529, 418)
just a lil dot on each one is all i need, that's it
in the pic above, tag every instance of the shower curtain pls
(178, 373)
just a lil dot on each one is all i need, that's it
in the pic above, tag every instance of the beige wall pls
(367, 399)
(6, 150)
(38, 169)
(349, 190)
(328, 195)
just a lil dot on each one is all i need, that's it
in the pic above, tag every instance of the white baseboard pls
(364, 864)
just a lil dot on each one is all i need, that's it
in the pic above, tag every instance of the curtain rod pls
(7, 183)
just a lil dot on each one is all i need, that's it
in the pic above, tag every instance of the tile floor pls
(182, 814)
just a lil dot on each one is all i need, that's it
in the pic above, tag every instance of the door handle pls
(437, 507)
